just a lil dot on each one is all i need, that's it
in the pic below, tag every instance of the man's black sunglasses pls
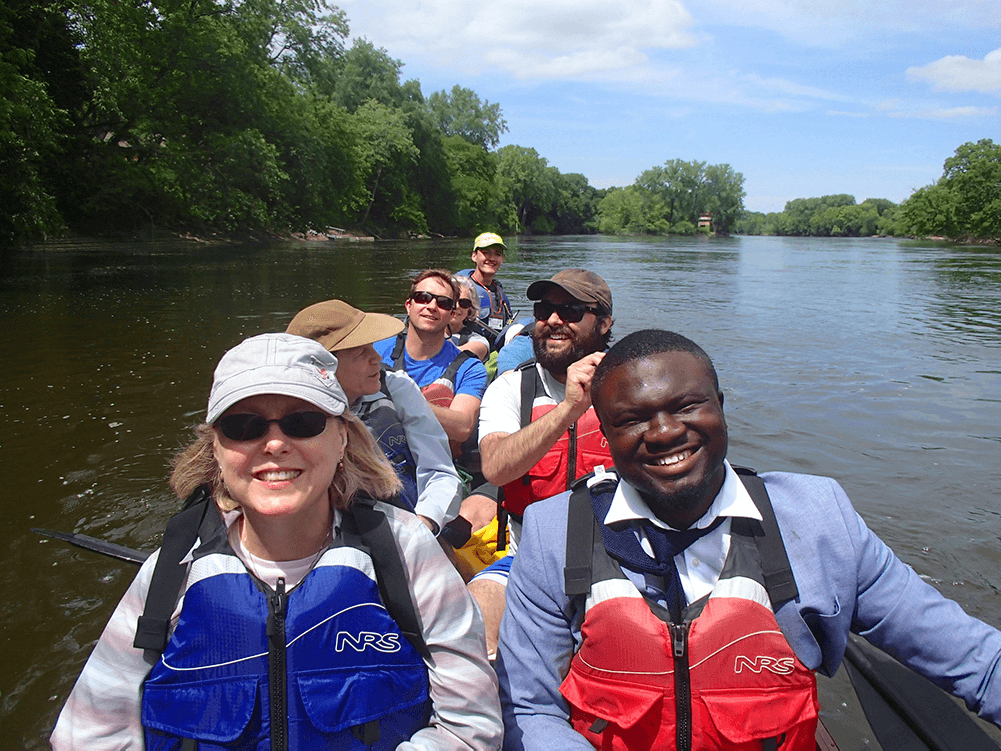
(569, 312)
(247, 427)
(425, 298)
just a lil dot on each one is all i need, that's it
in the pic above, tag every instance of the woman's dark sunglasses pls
(465, 303)
(247, 427)
(569, 312)
(425, 298)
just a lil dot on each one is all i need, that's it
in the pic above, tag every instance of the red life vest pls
(577, 452)
(726, 675)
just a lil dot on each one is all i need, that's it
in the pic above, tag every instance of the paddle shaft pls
(86, 542)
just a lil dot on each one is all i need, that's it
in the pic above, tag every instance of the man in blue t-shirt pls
(452, 387)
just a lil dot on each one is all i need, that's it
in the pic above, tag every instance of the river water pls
(877, 362)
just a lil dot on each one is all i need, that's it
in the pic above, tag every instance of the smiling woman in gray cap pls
(300, 613)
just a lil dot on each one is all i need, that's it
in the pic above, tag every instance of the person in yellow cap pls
(488, 255)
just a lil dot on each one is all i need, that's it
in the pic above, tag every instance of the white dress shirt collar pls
(732, 500)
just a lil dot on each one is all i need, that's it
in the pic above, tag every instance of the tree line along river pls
(877, 362)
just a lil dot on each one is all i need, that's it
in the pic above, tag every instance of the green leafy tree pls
(723, 196)
(362, 74)
(461, 113)
(385, 152)
(30, 123)
(473, 172)
(974, 173)
(931, 211)
(525, 186)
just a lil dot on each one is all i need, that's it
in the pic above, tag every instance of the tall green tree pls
(461, 113)
(974, 173)
(525, 186)
(34, 37)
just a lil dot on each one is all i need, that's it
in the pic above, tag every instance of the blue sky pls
(803, 97)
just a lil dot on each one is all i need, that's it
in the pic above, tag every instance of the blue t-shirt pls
(471, 378)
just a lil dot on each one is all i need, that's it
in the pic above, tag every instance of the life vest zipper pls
(277, 675)
(682, 686)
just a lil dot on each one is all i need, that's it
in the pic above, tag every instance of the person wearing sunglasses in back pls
(452, 381)
(468, 332)
(538, 431)
(300, 612)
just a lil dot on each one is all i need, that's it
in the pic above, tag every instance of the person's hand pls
(430, 525)
(578, 386)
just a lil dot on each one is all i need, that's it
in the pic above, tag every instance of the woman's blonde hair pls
(364, 469)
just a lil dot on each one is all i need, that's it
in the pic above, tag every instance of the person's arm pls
(850, 579)
(439, 490)
(508, 456)
(538, 636)
(459, 418)
(477, 345)
(103, 710)
(463, 686)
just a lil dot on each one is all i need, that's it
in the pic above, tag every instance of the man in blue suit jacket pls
(658, 399)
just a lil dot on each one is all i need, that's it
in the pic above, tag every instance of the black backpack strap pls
(397, 356)
(581, 526)
(453, 367)
(530, 382)
(375, 532)
(169, 573)
(779, 579)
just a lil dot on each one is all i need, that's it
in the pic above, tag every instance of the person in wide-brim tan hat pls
(390, 404)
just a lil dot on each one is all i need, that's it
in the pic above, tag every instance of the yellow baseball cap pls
(488, 239)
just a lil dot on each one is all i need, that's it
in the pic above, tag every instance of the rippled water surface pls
(877, 362)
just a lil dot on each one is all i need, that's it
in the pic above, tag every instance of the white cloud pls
(947, 113)
(960, 73)
(527, 38)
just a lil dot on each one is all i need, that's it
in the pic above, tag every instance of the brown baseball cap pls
(584, 285)
(336, 325)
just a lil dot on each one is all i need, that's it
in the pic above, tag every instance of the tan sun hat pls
(336, 325)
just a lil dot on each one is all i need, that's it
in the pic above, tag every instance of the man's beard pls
(580, 347)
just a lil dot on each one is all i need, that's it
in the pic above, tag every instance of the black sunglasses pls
(569, 312)
(465, 303)
(425, 298)
(247, 427)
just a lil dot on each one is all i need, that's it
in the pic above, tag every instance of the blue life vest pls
(327, 655)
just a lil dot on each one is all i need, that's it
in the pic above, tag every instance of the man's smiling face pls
(663, 418)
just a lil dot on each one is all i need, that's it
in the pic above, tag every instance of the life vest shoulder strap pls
(375, 532)
(530, 384)
(775, 568)
(581, 538)
(453, 367)
(169, 573)
(398, 350)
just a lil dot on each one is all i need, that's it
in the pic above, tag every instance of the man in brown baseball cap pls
(390, 404)
(538, 430)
